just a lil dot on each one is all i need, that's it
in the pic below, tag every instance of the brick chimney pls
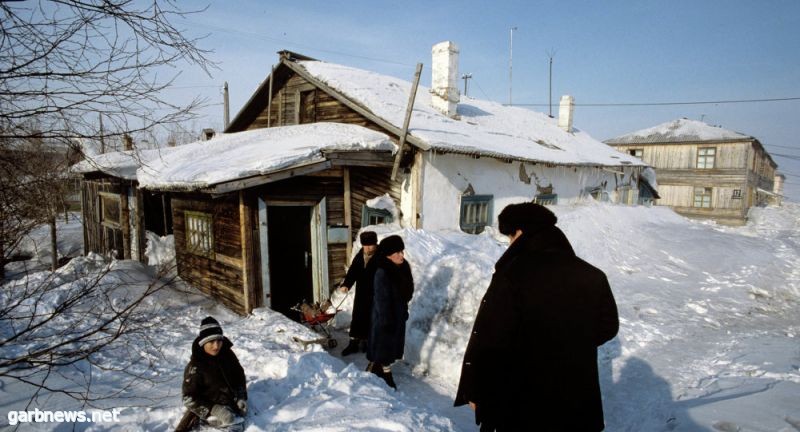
(565, 110)
(444, 82)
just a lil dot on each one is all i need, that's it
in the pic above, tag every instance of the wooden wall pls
(103, 238)
(287, 104)
(684, 155)
(221, 276)
(368, 183)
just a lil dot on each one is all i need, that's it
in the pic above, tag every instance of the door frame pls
(319, 245)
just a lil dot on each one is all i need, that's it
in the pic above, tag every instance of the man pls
(361, 275)
(214, 385)
(531, 361)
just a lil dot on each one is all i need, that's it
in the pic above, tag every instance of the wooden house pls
(116, 212)
(266, 213)
(704, 171)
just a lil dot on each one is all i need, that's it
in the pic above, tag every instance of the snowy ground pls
(709, 338)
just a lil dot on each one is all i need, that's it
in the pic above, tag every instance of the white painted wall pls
(446, 177)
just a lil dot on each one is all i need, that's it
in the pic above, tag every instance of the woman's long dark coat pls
(362, 276)
(393, 287)
(531, 362)
(213, 380)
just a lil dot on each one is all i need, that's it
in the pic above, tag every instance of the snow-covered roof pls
(677, 131)
(256, 152)
(122, 164)
(485, 128)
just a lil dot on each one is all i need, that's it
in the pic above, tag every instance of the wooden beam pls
(245, 225)
(348, 211)
(125, 222)
(297, 170)
(406, 121)
(269, 97)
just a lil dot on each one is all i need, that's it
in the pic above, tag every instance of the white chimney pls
(565, 110)
(444, 82)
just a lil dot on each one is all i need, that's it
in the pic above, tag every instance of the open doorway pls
(290, 257)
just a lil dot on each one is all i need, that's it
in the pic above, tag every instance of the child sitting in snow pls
(214, 386)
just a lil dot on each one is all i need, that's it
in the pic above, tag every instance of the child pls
(214, 386)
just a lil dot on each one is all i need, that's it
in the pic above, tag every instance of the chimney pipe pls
(128, 142)
(444, 80)
(565, 111)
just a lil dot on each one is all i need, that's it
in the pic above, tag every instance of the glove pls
(242, 405)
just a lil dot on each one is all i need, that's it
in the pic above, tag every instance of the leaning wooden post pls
(269, 98)
(404, 132)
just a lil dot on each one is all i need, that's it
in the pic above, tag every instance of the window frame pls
(705, 157)
(546, 199)
(633, 151)
(708, 192)
(104, 198)
(199, 239)
(477, 226)
(368, 212)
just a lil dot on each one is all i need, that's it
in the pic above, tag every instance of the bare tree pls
(35, 187)
(64, 66)
(67, 66)
(57, 329)
(66, 61)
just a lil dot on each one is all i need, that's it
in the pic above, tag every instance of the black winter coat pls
(362, 276)
(394, 287)
(531, 361)
(210, 380)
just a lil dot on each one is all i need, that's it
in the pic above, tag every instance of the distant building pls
(705, 171)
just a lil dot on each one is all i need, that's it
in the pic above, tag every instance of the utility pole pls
(551, 54)
(511, 66)
(102, 138)
(466, 77)
(227, 113)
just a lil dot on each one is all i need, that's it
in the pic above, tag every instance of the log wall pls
(220, 276)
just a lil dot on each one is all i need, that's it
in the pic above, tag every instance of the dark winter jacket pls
(210, 380)
(362, 276)
(394, 287)
(531, 361)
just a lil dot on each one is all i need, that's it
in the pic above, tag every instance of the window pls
(702, 197)
(737, 194)
(636, 152)
(110, 209)
(199, 233)
(705, 157)
(375, 216)
(546, 199)
(476, 213)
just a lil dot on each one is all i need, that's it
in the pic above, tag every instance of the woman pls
(393, 288)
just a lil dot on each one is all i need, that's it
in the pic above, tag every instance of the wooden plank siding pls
(285, 109)
(103, 238)
(220, 276)
(739, 165)
(368, 183)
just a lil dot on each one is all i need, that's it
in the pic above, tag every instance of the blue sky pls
(605, 52)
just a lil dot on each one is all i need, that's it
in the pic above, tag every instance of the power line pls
(288, 42)
(786, 147)
(792, 157)
(735, 101)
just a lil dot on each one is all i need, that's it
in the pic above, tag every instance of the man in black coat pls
(531, 361)
(214, 385)
(360, 274)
